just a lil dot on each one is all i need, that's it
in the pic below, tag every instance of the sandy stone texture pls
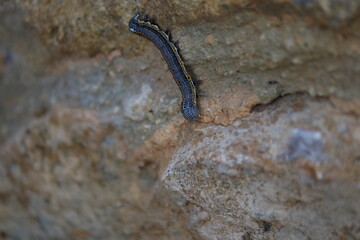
(93, 145)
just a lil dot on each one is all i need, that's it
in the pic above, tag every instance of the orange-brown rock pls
(93, 145)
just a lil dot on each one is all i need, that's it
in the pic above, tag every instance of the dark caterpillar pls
(152, 32)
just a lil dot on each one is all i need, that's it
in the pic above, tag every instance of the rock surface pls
(93, 145)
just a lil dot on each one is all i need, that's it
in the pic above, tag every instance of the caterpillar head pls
(133, 22)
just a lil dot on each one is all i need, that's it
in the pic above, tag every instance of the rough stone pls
(93, 145)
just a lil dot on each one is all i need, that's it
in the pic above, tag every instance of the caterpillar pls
(170, 53)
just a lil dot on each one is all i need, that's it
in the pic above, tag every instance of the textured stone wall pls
(93, 145)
